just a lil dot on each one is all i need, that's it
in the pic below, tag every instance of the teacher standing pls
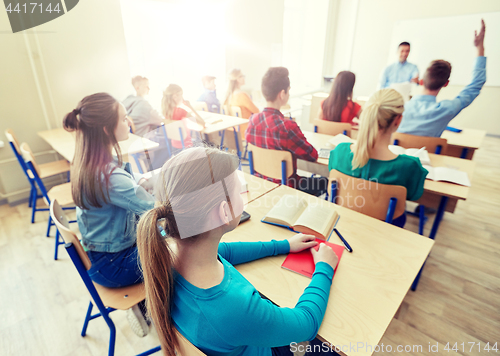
(400, 72)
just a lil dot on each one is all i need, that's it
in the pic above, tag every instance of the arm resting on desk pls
(242, 252)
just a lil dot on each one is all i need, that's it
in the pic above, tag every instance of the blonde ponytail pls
(378, 114)
(157, 267)
(168, 104)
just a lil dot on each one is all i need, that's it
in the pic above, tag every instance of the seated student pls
(172, 98)
(145, 118)
(269, 129)
(191, 284)
(209, 95)
(424, 116)
(107, 195)
(370, 158)
(236, 97)
(339, 107)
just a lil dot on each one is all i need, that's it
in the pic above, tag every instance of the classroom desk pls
(440, 195)
(369, 285)
(462, 144)
(63, 142)
(257, 187)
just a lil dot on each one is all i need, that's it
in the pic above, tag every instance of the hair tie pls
(162, 230)
(77, 111)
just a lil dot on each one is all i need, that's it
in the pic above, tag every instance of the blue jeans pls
(118, 269)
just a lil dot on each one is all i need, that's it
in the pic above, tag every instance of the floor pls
(43, 302)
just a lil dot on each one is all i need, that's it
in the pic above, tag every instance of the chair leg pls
(421, 219)
(417, 278)
(49, 225)
(112, 334)
(87, 319)
(151, 351)
(30, 202)
(57, 243)
(33, 206)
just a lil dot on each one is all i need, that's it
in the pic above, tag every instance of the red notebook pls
(303, 262)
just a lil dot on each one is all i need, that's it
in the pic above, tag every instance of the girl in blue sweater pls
(191, 284)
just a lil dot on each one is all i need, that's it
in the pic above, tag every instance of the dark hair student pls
(107, 195)
(338, 106)
(191, 284)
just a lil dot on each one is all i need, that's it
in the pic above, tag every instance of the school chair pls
(46, 170)
(106, 299)
(435, 145)
(224, 109)
(132, 125)
(381, 201)
(270, 163)
(332, 128)
(200, 106)
(61, 192)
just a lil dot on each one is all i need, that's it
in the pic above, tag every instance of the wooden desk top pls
(468, 138)
(225, 123)
(257, 187)
(63, 142)
(369, 285)
(440, 188)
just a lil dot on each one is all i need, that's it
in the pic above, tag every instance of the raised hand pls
(479, 38)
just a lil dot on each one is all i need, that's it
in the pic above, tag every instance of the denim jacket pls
(112, 228)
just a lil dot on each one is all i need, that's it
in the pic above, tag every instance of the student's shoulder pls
(409, 162)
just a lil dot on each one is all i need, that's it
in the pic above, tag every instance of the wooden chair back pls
(132, 124)
(332, 128)
(412, 141)
(367, 197)
(11, 137)
(268, 162)
(224, 109)
(200, 106)
(62, 224)
(29, 157)
(316, 100)
(172, 129)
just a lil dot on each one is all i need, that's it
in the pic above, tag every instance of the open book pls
(422, 154)
(340, 138)
(446, 174)
(294, 213)
(303, 262)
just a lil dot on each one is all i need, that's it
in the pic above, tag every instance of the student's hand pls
(301, 242)
(325, 254)
(479, 38)
(147, 184)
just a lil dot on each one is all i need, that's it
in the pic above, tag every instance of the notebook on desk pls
(303, 262)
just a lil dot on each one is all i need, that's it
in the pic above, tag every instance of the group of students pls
(171, 239)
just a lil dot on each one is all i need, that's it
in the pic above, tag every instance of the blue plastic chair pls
(105, 299)
(265, 161)
(46, 170)
(60, 192)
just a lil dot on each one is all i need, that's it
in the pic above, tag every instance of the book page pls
(286, 211)
(423, 155)
(318, 219)
(451, 175)
(430, 169)
(340, 138)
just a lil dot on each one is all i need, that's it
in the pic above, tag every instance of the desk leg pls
(238, 152)
(464, 152)
(222, 139)
(435, 226)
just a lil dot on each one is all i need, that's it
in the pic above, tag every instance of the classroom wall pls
(374, 21)
(47, 70)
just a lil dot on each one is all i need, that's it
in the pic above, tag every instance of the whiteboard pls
(451, 39)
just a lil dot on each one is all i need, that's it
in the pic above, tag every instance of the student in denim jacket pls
(109, 198)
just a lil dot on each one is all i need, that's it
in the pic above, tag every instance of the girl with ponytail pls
(172, 98)
(106, 194)
(370, 157)
(191, 284)
(236, 97)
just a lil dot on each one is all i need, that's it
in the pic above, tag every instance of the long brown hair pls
(233, 84)
(379, 113)
(197, 169)
(168, 104)
(340, 94)
(94, 120)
